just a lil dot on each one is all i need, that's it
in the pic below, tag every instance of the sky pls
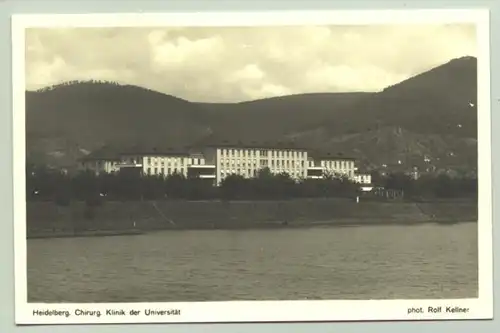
(218, 64)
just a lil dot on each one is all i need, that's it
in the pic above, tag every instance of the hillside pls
(273, 118)
(431, 116)
(67, 121)
(395, 148)
(429, 120)
(434, 102)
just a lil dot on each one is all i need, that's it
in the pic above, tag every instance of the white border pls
(260, 311)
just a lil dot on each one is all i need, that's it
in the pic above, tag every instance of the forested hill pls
(67, 121)
(429, 120)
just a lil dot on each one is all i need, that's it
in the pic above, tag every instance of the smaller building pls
(363, 178)
(150, 162)
(337, 165)
(199, 168)
(107, 160)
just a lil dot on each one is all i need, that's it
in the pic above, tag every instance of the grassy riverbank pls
(45, 218)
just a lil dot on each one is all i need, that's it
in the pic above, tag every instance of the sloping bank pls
(45, 219)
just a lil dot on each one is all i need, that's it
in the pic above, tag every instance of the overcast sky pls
(238, 64)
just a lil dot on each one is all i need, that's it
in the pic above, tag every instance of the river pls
(362, 262)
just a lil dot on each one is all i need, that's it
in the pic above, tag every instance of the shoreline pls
(257, 226)
(47, 220)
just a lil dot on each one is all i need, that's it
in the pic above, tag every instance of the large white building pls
(162, 163)
(219, 161)
(248, 160)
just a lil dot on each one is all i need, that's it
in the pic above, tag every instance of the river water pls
(365, 262)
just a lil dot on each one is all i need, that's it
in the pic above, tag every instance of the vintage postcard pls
(252, 167)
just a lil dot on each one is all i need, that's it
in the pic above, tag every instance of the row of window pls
(127, 161)
(181, 160)
(340, 171)
(249, 172)
(175, 161)
(253, 172)
(238, 162)
(263, 152)
(261, 160)
(162, 162)
(337, 164)
(198, 161)
(277, 163)
(363, 178)
(287, 164)
(163, 171)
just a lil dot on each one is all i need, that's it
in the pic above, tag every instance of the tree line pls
(77, 82)
(430, 185)
(52, 185)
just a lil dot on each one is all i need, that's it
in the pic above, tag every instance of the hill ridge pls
(76, 116)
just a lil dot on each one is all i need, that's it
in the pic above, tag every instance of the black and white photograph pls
(229, 167)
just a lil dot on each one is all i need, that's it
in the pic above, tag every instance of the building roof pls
(330, 156)
(196, 154)
(159, 152)
(115, 153)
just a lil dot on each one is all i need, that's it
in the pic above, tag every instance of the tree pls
(377, 178)
(126, 185)
(63, 193)
(41, 182)
(85, 185)
(234, 187)
(445, 187)
(199, 188)
(285, 186)
(265, 185)
(399, 181)
(153, 187)
(175, 186)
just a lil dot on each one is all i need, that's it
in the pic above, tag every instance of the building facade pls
(111, 164)
(153, 163)
(165, 164)
(339, 167)
(247, 161)
(363, 178)
(219, 161)
(320, 166)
